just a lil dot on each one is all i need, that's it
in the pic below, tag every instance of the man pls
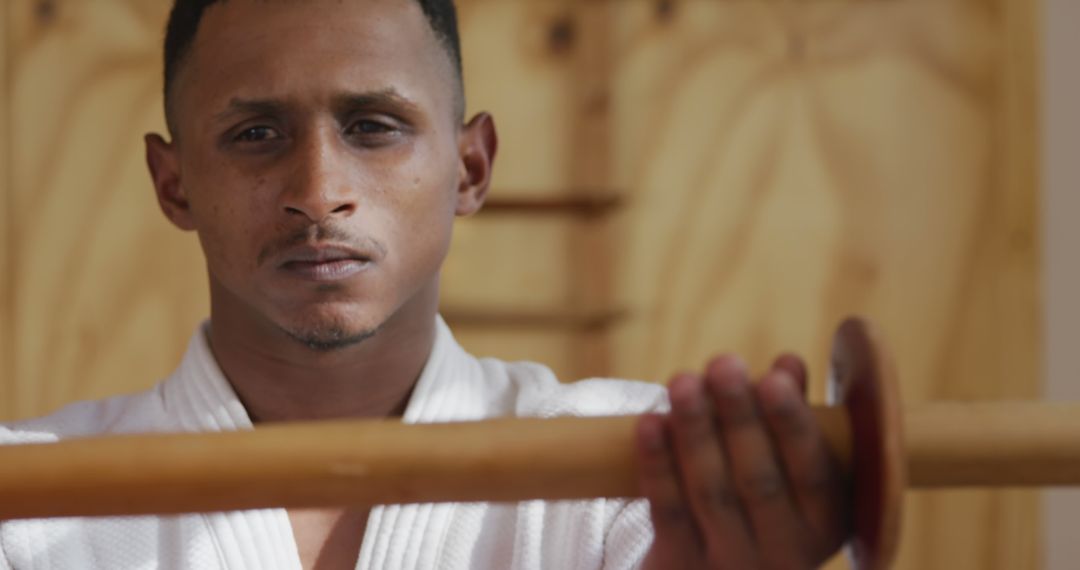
(319, 150)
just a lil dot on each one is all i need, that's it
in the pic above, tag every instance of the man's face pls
(318, 149)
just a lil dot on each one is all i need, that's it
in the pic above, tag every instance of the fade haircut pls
(186, 14)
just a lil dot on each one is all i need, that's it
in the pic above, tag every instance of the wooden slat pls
(583, 204)
(509, 261)
(568, 320)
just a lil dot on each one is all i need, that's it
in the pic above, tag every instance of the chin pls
(327, 333)
(330, 339)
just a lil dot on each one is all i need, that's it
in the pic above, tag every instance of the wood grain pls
(594, 258)
(793, 163)
(784, 163)
(518, 65)
(6, 298)
(543, 69)
(107, 293)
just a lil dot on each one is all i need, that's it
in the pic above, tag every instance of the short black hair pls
(186, 14)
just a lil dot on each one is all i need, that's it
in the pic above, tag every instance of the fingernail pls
(728, 386)
(780, 392)
(729, 365)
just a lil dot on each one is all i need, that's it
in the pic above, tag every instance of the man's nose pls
(319, 187)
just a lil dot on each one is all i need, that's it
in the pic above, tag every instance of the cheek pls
(425, 221)
(225, 222)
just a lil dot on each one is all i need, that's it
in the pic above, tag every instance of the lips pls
(324, 263)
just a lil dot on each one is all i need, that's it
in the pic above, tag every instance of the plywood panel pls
(794, 163)
(107, 291)
(785, 163)
(6, 365)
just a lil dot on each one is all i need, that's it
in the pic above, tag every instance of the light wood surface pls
(107, 293)
(6, 366)
(782, 164)
(793, 162)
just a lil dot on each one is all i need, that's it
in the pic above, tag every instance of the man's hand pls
(738, 476)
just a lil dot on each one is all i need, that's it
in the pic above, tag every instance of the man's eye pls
(256, 134)
(371, 127)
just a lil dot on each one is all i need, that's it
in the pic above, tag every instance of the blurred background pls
(676, 178)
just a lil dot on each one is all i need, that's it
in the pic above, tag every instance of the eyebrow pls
(385, 98)
(239, 106)
(340, 103)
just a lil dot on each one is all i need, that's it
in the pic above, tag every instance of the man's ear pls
(477, 146)
(164, 168)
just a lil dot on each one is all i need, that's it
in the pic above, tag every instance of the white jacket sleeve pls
(630, 537)
(4, 563)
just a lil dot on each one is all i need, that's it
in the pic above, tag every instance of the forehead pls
(314, 49)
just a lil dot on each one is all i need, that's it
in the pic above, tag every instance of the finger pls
(677, 538)
(819, 490)
(756, 473)
(703, 473)
(796, 367)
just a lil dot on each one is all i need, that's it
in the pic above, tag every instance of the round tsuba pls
(863, 380)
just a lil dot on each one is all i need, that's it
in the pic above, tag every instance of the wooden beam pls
(561, 318)
(584, 204)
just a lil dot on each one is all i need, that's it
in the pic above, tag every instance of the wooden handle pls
(330, 463)
(320, 464)
(364, 463)
(993, 444)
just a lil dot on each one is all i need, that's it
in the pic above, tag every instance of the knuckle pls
(763, 486)
(791, 422)
(697, 431)
(717, 497)
(739, 416)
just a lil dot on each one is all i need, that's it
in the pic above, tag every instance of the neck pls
(279, 379)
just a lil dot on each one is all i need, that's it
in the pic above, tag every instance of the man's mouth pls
(324, 263)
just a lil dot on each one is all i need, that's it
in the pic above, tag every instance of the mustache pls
(319, 233)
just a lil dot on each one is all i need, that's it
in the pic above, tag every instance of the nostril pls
(344, 208)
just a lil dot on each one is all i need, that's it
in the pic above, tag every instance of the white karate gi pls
(596, 534)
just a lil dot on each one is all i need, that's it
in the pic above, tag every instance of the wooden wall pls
(105, 294)
(785, 164)
(7, 385)
(677, 178)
